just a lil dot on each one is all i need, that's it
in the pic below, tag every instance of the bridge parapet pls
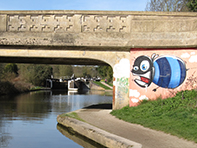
(101, 29)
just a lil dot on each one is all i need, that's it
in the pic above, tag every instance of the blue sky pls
(122, 5)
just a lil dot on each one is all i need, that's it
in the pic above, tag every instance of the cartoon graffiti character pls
(164, 71)
(143, 67)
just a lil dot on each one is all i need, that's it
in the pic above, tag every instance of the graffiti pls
(122, 69)
(136, 96)
(121, 80)
(120, 97)
(134, 93)
(191, 81)
(164, 71)
(122, 86)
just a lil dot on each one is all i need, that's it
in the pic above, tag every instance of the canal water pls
(29, 120)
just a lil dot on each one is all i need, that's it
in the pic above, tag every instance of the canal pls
(29, 120)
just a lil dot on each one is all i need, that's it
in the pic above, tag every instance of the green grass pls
(177, 115)
(101, 85)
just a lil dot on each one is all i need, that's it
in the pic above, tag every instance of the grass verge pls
(176, 115)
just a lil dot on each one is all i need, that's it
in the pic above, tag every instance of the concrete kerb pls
(98, 135)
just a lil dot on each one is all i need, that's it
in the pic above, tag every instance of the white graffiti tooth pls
(140, 82)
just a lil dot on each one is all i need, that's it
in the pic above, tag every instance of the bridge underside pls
(14, 58)
(66, 61)
(60, 55)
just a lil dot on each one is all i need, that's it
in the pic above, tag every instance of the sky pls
(109, 5)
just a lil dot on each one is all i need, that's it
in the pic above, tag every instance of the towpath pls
(107, 85)
(101, 118)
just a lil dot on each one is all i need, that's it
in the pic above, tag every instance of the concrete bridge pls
(112, 38)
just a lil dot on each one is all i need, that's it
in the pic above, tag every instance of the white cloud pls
(143, 97)
(122, 69)
(192, 53)
(134, 100)
(193, 59)
(134, 93)
(185, 55)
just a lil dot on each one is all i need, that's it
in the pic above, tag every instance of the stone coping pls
(145, 13)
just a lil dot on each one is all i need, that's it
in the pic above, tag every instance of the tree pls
(65, 70)
(35, 74)
(106, 72)
(41, 73)
(62, 70)
(192, 5)
(8, 71)
(56, 72)
(1, 69)
(167, 5)
(87, 71)
(11, 68)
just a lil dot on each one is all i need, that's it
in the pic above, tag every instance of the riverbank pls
(17, 86)
(100, 118)
(10, 88)
(7, 88)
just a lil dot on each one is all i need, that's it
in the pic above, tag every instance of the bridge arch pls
(119, 61)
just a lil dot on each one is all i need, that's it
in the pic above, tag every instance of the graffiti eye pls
(135, 68)
(144, 66)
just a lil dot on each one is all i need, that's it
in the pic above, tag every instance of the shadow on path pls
(99, 106)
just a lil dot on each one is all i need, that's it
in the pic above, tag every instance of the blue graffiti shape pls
(164, 71)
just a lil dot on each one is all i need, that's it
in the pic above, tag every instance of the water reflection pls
(81, 140)
(29, 120)
(5, 136)
(73, 100)
(29, 106)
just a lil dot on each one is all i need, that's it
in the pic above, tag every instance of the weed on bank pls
(176, 115)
